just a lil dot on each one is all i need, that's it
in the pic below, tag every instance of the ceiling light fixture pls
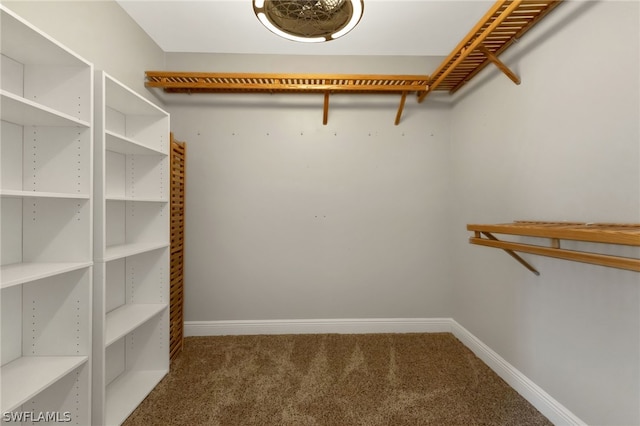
(309, 21)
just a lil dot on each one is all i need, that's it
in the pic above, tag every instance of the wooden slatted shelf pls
(176, 296)
(326, 84)
(606, 233)
(190, 82)
(503, 24)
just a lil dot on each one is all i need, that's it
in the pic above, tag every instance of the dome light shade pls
(310, 21)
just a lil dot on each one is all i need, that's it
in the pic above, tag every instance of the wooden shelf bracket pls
(498, 63)
(606, 233)
(325, 111)
(509, 251)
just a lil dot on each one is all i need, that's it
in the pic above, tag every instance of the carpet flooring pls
(332, 379)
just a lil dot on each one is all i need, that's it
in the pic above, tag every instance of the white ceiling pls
(388, 27)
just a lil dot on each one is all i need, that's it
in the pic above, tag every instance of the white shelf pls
(18, 110)
(25, 43)
(125, 250)
(124, 145)
(25, 377)
(127, 391)
(20, 273)
(127, 318)
(131, 240)
(125, 100)
(145, 200)
(46, 163)
(38, 194)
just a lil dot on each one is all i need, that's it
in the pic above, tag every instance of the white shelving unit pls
(46, 221)
(131, 249)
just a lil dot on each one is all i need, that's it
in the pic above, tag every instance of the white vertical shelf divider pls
(46, 221)
(131, 250)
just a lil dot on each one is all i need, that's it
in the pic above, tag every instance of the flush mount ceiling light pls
(311, 21)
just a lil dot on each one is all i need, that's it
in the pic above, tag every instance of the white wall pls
(101, 32)
(564, 145)
(290, 219)
(362, 64)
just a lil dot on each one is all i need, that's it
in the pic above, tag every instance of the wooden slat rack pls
(607, 233)
(176, 311)
(326, 84)
(503, 24)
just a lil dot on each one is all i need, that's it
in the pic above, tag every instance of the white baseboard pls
(549, 407)
(340, 326)
(542, 401)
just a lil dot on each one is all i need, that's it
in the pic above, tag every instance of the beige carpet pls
(331, 379)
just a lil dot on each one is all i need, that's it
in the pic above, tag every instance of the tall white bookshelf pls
(46, 225)
(131, 249)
